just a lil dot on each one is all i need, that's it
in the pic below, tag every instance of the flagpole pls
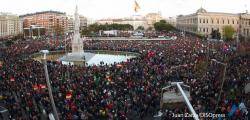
(136, 7)
(134, 22)
(134, 18)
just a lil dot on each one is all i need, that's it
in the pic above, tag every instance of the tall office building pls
(10, 25)
(47, 19)
(83, 23)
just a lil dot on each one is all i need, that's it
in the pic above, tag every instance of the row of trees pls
(95, 28)
(228, 33)
(163, 26)
(124, 27)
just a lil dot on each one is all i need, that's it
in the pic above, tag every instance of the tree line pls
(93, 29)
(161, 26)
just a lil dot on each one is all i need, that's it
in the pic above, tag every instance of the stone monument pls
(77, 55)
(77, 43)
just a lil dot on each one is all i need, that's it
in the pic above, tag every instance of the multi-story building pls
(135, 21)
(152, 18)
(70, 24)
(204, 22)
(47, 19)
(10, 25)
(83, 23)
(171, 21)
(105, 21)
(244, 26)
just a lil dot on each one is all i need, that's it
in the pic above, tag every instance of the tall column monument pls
(77, 56)
(77, 43)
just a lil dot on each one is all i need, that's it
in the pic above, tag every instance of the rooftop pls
(204, 11)
(36, 13)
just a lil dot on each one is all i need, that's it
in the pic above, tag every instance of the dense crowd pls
(126, 90)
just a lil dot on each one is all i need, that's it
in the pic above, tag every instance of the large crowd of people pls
(126, 90)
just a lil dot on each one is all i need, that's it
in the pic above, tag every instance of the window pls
(223, 21)
(204, 30)
(207, 20)
(204, 21)
(233, 21)
(200, 20)
(212, 21)
(218, 21)
(228, 21)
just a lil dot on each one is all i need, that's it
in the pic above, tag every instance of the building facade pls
(70, 24)
(10, 25)
(244, 26)
(50, 20)
(83, 23)
(135, 21)
(203, 22)
(152, 18)
(105, 21)
(171, 21)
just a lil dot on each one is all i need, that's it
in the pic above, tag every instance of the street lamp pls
(183, 94)
(190, 107)
(44, 60)
(223, 79)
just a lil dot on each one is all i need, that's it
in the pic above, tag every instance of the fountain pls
(81, 57)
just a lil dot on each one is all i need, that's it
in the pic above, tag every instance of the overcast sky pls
(97, 9)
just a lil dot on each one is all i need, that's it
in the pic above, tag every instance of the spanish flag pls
(35, 87)
(136, 7)
(42, 86)
(68, 95)
(12, 79)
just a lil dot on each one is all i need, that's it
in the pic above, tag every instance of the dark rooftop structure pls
(36, 13)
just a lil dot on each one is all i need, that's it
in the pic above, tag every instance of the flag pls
(136, 7)
(151, 54)
(35, 87)
(12, 79)
(42, 86)
(68, 95)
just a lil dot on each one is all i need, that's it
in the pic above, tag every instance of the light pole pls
(190, 107)
(44, 60)
(186, 99)
(223, 79)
